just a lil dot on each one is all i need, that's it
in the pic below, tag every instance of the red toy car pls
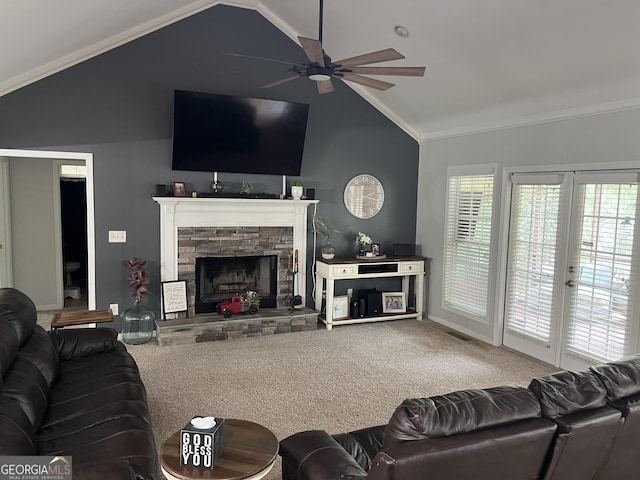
(236, 304)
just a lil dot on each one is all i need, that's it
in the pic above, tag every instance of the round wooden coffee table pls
(250, 450)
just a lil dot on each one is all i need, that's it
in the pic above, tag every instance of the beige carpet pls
(348, 378)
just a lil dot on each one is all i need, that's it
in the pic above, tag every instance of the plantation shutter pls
(468, 242)
(599, 317)
(533, 246)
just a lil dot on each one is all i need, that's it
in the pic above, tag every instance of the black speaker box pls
(374, 304)
(311, 193)
(370, 302)
(403, 249)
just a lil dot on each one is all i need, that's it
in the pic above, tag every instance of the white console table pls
(344, 268)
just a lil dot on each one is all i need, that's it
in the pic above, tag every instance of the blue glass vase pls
(137, 324)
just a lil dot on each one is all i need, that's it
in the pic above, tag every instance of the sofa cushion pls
(564, 393)
(459, 412)
(363, 445)
(621, 378)
(39, 350)
(76, 343)
(27, 388)
(17, 436)
(18, 311)
(8, 345)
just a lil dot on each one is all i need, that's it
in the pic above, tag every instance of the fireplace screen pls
(219, 277)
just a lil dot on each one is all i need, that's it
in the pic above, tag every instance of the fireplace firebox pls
(219, 277)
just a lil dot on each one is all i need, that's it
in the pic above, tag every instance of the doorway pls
(12, 265)
(571, 266)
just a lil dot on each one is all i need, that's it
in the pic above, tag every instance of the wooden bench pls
(65, 319)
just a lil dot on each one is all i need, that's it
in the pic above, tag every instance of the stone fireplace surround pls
(231, 225)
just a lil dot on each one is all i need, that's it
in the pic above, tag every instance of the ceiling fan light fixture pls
(319, 77)
(318, 74)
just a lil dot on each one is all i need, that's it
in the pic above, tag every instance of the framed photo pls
(179, 189)
(375, 249)
(393, 302)
(341, 307)
(174, 296)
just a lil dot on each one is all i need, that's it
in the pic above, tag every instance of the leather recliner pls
(74, 393)
(472, 434)
(566, 426)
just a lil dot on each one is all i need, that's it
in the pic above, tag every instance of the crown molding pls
(528, 120)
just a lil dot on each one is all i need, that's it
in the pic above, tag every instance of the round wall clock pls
(363, 196)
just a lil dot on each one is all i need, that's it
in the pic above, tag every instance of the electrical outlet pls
(117, 236)
(114, 308)
(349, 291)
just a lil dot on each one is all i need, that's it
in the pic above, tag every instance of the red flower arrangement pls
(138, 279)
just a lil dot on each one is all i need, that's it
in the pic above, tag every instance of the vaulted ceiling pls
(490, 63)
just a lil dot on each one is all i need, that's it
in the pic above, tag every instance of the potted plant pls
(137, 321)
(246, 187)
(297, 189)
(322, 228)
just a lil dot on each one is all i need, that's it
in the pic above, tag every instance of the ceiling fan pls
(322, 69)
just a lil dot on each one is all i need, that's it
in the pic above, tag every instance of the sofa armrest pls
(82, 342)
(316, 455)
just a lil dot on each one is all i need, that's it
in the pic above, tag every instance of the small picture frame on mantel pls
(179, 189)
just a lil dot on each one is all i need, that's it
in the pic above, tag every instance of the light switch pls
(117, 236)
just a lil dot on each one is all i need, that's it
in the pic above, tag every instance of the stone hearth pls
(181, 331)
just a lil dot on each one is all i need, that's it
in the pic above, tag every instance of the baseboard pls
(466, 331)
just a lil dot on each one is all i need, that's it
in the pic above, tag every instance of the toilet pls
(71, 290)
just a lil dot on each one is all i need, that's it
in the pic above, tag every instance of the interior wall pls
(35, 256)
(599, 141)
(119, 105)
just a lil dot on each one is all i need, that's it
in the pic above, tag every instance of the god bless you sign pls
(202, 442)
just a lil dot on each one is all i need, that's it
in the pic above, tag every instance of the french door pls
(571, 267)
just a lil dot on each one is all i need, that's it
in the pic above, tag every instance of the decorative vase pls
(328, 251)
(296, 192)
(137, 324)
(361, 250)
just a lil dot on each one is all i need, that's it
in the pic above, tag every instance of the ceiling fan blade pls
(367, 82)
(313, 49)
(401, 71)
(373, 57)
(325, 86)
(261, 58)
(280, 82)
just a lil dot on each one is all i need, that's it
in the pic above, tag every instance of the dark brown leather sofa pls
(74, 393)
(566, 426)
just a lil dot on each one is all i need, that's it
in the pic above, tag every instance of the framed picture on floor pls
(394, 302)
(174, 296)
(341, 307)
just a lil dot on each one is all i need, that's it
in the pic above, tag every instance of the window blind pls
(599, 321)
(533, 245)
(468, 242)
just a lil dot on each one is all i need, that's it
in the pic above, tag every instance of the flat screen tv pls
(222, 133)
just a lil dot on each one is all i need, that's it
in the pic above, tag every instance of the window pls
(468, 242)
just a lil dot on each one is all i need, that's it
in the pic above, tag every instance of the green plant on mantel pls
(297, 183)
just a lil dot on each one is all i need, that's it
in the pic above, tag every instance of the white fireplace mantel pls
(177, 212)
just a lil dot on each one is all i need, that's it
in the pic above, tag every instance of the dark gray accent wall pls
(119, 107)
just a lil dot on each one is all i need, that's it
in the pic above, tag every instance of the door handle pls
(570, 283)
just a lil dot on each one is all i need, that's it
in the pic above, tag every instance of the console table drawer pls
(345, 270)
(411, 267)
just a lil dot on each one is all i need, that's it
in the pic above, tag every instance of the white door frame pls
(5, 252)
